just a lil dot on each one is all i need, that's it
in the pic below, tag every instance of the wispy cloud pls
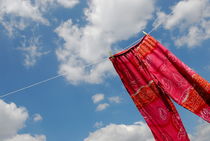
(46, 4)
(67, 3)
(21, 8)
(97, 98)
(18, 14)
(102, 107)
(115, 99)
(190, 18)
(202, 132)
(98, 124)
(32, 51)
(37, 117)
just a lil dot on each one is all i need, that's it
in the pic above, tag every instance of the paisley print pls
(205, 113)
(153, 76)
(179, 80)
(193, 101)
(144, 95)
(163, 113)
(167, 84)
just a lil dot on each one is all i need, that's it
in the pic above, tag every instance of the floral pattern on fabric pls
(153, 76)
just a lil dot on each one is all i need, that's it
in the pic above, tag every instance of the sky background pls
(44, 38)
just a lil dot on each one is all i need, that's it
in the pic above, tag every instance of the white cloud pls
(193, 37)
(121, 132)
(37, 117)
(89, 44)
(191, 18)
(115, 99)
(202, 132)
(68, 3)
(102, 107)
(140, 131)
(18, 14)
(186, 13)
(12, 119)
(12, 24)
(27, 137)
(21, 8)
(98, 124)
(32, 51)
(97, 98)
(46, 4)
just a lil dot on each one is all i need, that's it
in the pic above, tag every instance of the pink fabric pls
(151, 74)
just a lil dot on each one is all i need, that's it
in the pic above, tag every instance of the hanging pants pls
(152, 75)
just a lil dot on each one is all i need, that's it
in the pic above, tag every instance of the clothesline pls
(57, 76)
(88, 65)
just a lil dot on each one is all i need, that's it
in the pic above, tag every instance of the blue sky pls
(44, 38)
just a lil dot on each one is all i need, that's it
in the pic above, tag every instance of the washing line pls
(56, 76)
(88, 65)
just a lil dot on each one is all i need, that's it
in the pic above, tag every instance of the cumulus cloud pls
(92, 42)
(191, 18)
(18, 14)
(102, 107)
(32, 51)
(121, 132)
(27, 137)
(21, 8)
(97, 98)
(37, 117)
(12, 119)
(115, 99)
(140, 131)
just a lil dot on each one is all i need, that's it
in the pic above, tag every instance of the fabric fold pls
(152, 75)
